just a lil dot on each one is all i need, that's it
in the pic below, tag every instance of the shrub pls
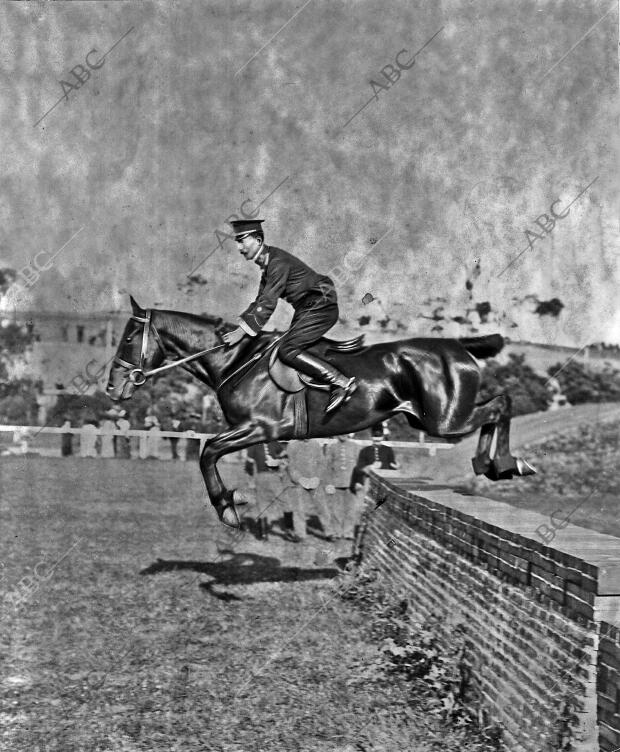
(18, 401)
(580, 384)
(528, 390)
(430, 657)
(15, 339)
(75, 407)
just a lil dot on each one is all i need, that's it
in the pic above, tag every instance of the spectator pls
(264, 465)
(192, 446)
(89, 436)
(378, 455)
(169, 424)
(305, 468)
(21, 441)
(66, 439)
(123, 445)
(108, 427)
(143, 447)
(346, 502)
(153, 442)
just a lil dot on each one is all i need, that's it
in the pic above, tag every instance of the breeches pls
(311, 320)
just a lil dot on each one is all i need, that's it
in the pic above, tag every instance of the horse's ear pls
(134, 306)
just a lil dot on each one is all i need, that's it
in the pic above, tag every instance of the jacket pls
(305, 462)
(287, 277)
(377, 453)
(340, 459)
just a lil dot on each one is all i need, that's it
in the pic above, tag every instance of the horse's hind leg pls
(505, 465)
(486, 417)
(496, 415)
(481, 462)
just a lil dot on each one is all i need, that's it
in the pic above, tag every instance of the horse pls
(434, 382)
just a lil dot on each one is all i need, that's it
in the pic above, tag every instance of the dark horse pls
(434, 382)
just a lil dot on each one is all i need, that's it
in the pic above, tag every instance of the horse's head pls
(138, 351)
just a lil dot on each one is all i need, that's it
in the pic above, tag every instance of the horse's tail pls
(483, 347)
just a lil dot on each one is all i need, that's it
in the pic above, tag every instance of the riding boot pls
(342, 387)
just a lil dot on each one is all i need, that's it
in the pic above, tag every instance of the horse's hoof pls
(230, 517)
(524, 468)
(492, 473)
(240, 498)
(505, 466)
(481, 466)
(501, 469)
(228, 514)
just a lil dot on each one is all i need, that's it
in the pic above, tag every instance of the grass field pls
(132, 620)
(121, 644)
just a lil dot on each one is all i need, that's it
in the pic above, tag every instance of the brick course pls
(541, 614)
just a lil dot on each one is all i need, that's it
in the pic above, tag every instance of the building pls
(68, 346)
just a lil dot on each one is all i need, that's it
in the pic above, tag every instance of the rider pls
(312, 295)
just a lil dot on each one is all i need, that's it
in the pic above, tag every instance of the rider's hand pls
(231, 338)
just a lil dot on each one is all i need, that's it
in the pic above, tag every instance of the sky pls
(180, 114)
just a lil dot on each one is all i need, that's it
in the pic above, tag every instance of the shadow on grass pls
(241, 569)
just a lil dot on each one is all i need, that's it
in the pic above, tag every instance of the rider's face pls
(248, 246)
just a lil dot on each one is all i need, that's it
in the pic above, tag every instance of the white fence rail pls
(131, 432)
(149, 444)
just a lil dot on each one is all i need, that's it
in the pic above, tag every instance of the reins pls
(249, 363)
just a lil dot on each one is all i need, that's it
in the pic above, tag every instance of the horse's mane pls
(184, 324)
(216, 321)
(207, 319)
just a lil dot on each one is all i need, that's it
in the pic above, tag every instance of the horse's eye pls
(129, 338)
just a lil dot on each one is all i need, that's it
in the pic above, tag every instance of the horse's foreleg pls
(224, 443)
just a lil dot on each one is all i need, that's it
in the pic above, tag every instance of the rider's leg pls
(309, 324)
(342, 386)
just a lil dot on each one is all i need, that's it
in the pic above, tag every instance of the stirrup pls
(341, 394)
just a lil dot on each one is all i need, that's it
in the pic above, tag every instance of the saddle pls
(285, 377)
(291, 380)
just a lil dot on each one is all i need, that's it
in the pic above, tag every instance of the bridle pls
(137, 374)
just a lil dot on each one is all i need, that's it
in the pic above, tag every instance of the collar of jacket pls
(263, 257)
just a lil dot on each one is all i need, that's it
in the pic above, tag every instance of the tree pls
(528, 390)
(18, 400)
(18, 396)
(551, 307)
(76, 407)
(7, 278)
(580, 384)
(14, 339)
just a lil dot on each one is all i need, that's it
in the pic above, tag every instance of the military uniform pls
(263, 465)
(377, 452)
(306, 492)
(312, 295)
(347, 504)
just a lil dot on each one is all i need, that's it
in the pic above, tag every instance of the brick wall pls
(609, 684)
(539, 605)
